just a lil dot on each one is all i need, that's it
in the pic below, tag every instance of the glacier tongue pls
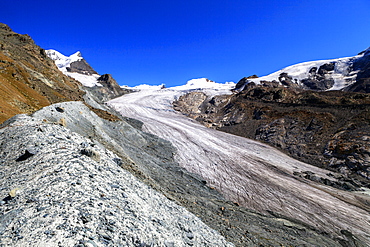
(245, 171)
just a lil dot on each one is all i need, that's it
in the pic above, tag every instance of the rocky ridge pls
(65, 190)
(348, 74)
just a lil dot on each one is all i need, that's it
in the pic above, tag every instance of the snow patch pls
(146, 87)
(204, 83)
(200, 84)
(86, 80)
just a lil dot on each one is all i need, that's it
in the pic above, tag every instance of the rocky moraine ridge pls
(66, 190)
(76, 173)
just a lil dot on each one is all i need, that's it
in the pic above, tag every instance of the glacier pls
(246, 172)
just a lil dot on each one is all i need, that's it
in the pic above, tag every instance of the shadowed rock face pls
(361, 86)
(110, 89)
(82, 67)
(317, 77)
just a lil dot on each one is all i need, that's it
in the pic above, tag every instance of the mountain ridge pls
(319, 75)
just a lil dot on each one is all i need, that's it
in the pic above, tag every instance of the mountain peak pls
(63, 62)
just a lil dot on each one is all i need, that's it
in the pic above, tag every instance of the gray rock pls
(92, 209)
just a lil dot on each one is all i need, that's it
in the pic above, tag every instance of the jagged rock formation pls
(327, 129)
(99, 88)
(72, 64)
(29, 80)
(61, 189)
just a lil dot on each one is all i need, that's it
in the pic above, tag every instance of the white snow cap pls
(63, 62)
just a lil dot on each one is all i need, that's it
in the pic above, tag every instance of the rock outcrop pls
(81, 66)
(108, 90)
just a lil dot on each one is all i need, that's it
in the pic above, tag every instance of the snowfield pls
(343, 73)
(252, 174)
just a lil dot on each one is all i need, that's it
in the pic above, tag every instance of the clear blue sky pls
(154, 42)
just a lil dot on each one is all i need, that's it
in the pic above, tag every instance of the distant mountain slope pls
(333, 74)
(29, 80)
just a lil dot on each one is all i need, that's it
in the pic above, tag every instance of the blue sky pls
(170, 42)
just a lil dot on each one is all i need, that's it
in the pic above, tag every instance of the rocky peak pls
(73, 64)
(81, 66)
(5, 27)
(109, 82)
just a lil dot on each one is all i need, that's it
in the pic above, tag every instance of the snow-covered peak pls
(206, 86)
(63, 61)
(194, 84)
(201, 84)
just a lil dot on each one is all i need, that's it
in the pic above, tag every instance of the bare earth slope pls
(29, 79)
(250, 173)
